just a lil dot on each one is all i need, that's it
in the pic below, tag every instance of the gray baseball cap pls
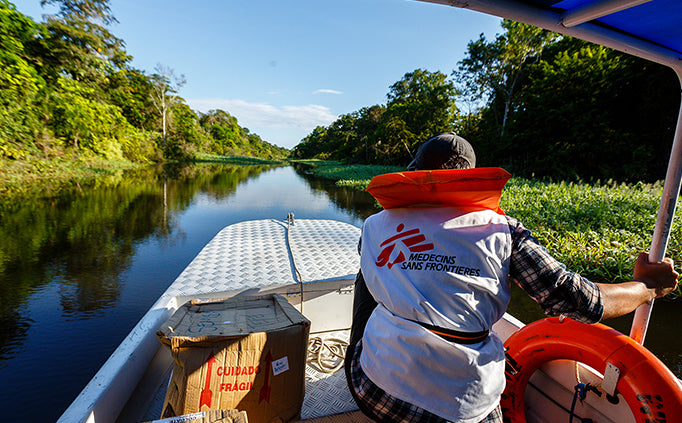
(436, 151)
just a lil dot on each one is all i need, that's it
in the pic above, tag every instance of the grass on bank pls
(35, 176)
(30, 176)
(596, 229)
(353, 176)
(235, 160)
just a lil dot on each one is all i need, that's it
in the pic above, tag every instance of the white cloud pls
(326, 91)
(264, 115)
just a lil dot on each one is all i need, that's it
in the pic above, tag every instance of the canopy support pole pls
(597, 9)
(666, 212)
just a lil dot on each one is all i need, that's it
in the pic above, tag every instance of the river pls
(77, 271)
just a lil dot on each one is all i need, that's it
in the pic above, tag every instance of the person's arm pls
(650, 280)
(556, 289)
(559, 291)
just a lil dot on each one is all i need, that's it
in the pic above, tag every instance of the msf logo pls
(412, 239)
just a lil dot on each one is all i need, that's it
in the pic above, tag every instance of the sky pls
(284, 67)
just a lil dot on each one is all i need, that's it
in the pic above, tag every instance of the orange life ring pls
(651, 390)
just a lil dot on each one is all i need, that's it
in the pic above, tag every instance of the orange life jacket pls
(467, 189)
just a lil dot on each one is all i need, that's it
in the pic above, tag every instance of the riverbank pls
(346, 175)
(29, 176)
(34, 176)
(596, 229)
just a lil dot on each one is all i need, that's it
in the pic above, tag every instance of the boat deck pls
(326, 393)
(304, 261)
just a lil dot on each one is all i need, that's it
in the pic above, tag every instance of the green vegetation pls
(354, 176)
(72, 109)
(43, 177)
(70, 100)
(235, 160)
(419, 105)
(531, 101)
(595, 229)
(534, 102)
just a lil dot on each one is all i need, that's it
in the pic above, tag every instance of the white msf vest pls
(444, 267)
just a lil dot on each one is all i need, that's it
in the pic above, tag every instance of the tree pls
(87, 124)
(97, 10)
(131, 90)
(66, 85)
(224, 130)
(78, 44)
(166, 84)
(368, 122)
(419, 106)
(592, 113)
(227, 137)
(494, 70)
(310, 146)
(20, 83)
(81, 49)
(187, 136)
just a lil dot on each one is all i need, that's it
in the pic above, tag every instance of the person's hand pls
(659, 277)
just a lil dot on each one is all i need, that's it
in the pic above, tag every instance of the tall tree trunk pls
(510, 94)
(164, 111)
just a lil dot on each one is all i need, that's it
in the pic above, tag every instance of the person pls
(435, 274)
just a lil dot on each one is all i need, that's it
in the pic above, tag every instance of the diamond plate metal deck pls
(326, 393)
(255, 254)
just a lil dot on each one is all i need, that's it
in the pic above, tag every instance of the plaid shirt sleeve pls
(556, 289)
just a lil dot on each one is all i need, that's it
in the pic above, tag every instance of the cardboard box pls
(246, 353)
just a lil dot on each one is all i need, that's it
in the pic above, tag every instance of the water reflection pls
(84, 238)
(359, 203)
(79, 268)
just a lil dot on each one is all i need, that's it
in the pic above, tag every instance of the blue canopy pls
(657, 21)
(651, 29)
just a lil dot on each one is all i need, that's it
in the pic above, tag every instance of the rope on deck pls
(328, 354)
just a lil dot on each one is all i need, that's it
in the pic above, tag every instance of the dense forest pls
(531, 101)
(67, 89)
